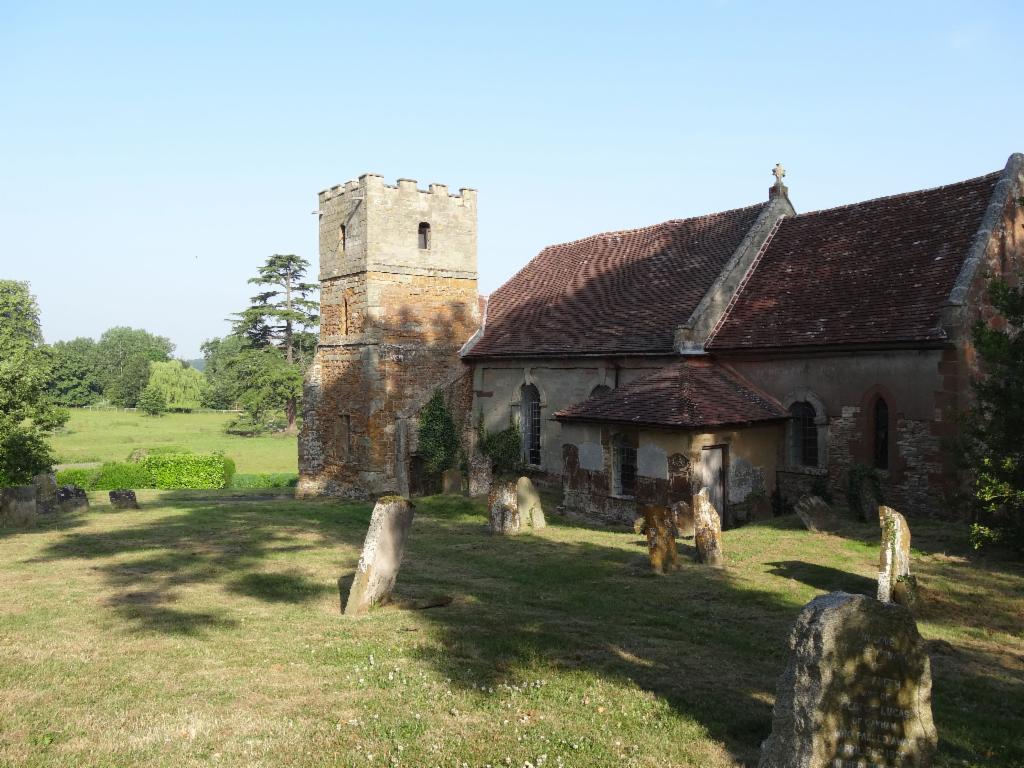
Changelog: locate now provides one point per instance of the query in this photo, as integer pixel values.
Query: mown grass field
(204, 629)
(108, 435)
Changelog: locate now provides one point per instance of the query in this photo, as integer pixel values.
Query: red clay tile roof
(876, 272)
(617, 292)
(690, 393)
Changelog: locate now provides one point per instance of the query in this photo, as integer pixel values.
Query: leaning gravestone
(682, 517)
(123, 499)
(46, 493)
(71, 498)
(856, 691)
(707, 526)
(814, 513)
(661, 540)
(531, 513)
(18, 506)
(894, 559)
(503, 508)
(382, 554)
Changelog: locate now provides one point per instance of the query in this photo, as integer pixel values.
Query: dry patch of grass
(204, 630)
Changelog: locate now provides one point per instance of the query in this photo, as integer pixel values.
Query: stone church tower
(398, 296)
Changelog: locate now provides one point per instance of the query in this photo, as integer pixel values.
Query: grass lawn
(96, 435)
(204, 630)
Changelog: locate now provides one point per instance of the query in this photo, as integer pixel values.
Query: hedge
(188, 470)
(266, 480)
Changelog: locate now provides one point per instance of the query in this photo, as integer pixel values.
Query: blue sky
(151, 155)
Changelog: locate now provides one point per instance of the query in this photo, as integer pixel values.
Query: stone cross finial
(778, 172)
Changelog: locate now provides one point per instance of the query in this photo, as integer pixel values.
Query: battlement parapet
(373, 182)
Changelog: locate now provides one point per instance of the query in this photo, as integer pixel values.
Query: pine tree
(283, 316)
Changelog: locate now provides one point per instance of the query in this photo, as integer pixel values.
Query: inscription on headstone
(856, 692)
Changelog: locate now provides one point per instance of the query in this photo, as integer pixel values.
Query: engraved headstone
(707, 530)
(18, 506)
(531, 513)
(46, 493)
(814, 513)
(479, 475)
(123, 499)
(682, 517)
(382, 554)
(503, 507)
(71, 498)
(894, 559)
(856, 691)
(451, 481)
(661, 540)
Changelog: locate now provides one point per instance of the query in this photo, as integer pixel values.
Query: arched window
(424, 235)
(530, 410)
(881, 434)
(341, 237)
(600, 390)
(804, 445)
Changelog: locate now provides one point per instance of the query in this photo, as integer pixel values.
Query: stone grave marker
(894, 580)
(71, 498)
(531, 513)
(856, 691)
(503, 508)
(123, 499)
(46, 493)
(661, 540)
(451, 481)
(382, 554)
(707, 530)
(815, 514)
(479, 475)
(18, 506)
(682, 517)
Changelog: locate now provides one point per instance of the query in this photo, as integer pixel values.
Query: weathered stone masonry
(395, 309)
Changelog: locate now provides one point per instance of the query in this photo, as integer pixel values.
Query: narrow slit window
(424, 235)
(881, 434)
(531, 424)
(341, 237)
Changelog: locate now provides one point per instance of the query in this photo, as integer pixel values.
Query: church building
(755, 352)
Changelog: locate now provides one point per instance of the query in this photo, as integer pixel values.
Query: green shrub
(152, 401)
(108, 477)
(504, 449)
(438, 439)
(266, 480)
(83, 478)
(188, 470)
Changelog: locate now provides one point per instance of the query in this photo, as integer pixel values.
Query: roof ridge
(610, 232)
(882, 198)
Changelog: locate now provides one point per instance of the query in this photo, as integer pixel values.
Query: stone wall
(394, 316)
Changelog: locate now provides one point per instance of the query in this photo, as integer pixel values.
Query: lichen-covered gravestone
(531, 513)
(894, 560)
(71, 498)
(856, 691)
(707, 530)
(382, 554)
(661, 540)
(814, 513)
(682, 517)
(480, 475)
(18, 506)
(123, 499)
(503, 507)
(46, 493)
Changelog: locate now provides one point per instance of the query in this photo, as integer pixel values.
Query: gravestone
(18, 506)
(382, 554)
(661, 540)
(479, 475)
(707, 533)
(451, 481)
(531, 513)
(503, 508)
(894, 580)
(123, 499)
(682, 517)
(856, 691)
(46, 493)
(815, 514)
(71, 498)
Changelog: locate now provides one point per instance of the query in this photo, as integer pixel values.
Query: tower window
(804, 434)
(881, 434)
(530, 401)
(341, 237)
(424, 235)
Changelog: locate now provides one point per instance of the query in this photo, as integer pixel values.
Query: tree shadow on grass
(823, 577)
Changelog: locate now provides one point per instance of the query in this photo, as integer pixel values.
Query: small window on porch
(624, 469)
